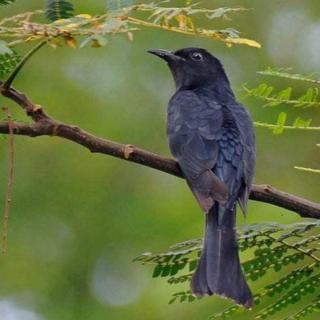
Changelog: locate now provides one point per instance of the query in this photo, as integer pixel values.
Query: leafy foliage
(8, 62)
(179, 19)
(8, 59)
(121, 17)
(307, 310)
(58, 9)
(291, 250)
(266, 93)
(272, 98)
(166, 15)
(4, 2)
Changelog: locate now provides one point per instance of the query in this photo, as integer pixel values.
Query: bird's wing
(246, 129)
(194, 128)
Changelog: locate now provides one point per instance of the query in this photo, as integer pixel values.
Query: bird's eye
(197, 56)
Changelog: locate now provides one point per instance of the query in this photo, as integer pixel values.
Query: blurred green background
(78, 219)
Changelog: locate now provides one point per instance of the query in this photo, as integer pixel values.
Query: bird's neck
(221, 90)
(217, 90)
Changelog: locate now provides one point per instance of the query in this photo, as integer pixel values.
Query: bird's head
(192, 67)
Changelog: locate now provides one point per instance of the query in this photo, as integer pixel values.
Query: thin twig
(24, 60)
(307, 169)
(8, 196)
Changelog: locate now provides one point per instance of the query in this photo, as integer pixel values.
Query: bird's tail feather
(219, 270)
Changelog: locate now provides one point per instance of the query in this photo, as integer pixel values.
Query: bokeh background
(78, 219)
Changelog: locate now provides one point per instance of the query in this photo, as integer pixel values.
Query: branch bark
(45, 125)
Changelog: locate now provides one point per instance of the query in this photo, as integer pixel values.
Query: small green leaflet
(8, 59)
(267, 93)
(7, 63)
(58, 9)
(302, 123)
(282, 118)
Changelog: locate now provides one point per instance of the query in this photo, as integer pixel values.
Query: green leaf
(192, 265)
(157, 271)
(301, 123)
(58, 9)
(166, 270)
(174, 298)
(7, 63)
(184, 296)
(8, 59)
(281, 121)
(285, 94)
(180, 279)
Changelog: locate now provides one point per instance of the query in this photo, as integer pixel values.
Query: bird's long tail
(219, 270)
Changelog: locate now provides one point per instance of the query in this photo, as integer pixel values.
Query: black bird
(211, 136)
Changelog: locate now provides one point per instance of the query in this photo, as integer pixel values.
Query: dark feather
(219, 270)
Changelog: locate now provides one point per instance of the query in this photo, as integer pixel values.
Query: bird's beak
(166, 55)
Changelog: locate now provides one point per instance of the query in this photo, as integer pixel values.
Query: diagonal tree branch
(45, 125)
